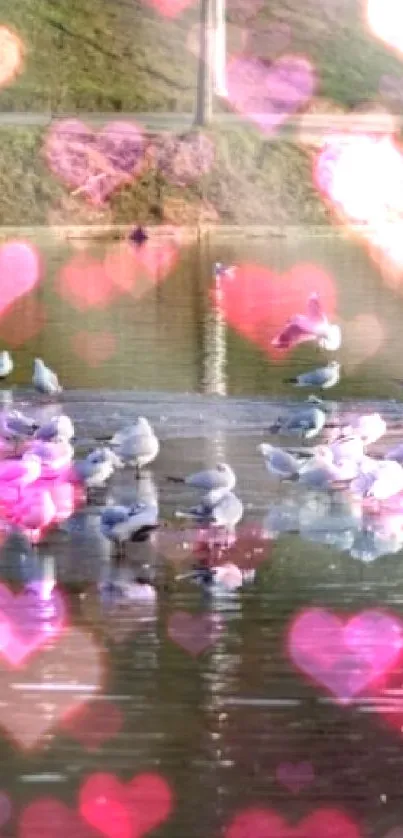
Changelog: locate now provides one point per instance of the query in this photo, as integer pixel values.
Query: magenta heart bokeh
(345, 657)
(23, 628)
(95, 164)
(268, 95)
(266, 823)
(194, 632)
(20, 271)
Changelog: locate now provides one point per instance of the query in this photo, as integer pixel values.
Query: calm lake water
(228, 727)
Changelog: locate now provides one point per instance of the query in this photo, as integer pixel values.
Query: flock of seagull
(31, 452)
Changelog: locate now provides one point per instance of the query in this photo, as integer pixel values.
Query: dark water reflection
(219, 725)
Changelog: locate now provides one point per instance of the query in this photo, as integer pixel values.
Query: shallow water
(223, 725)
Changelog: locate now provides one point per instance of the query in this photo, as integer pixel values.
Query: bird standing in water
(45, 380)
(6, 364)
(123, 524)
(136, 445)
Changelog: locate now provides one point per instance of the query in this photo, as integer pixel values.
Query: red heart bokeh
(94, 723)
(85, 284)
(257, 302)
(265, 823)
(25, 716)
(125, 263)
(94, 348)
(48, 818)
(125, 810)
(194, 632)
(23, 321)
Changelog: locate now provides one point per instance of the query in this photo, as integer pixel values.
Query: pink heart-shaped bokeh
(95, 164)
(125, 809)
(169, 8)
(345, 657)
(193, 632)
(94, 347)
(257, 302)
(266, 823)
(94, 723)
(75, 659)
(295, 776)
(23, 321)
(48, 818)
(20, 271)
(84, 282)
(268, 95)
(22, 627)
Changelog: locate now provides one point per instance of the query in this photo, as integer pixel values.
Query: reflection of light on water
(215, 344)
(220, 679)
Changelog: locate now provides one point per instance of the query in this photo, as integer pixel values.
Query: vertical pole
(204, 93)
(220, 49)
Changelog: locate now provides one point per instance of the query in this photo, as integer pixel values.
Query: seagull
(278, 461)
(395, 453)
(118, 589)
(16, 428)
(221, 270)
(58, 429)
(97, 468)
(219, 508)
(136, 445)
(323, 377)
(123, 524)
(369, 428)
(307, 422)
(220, 477)
(321, 472)
(6, 364)
(44, 379)
(381, 480)
(348, 447)
(313, 326)
(14, 425)
(218, 581)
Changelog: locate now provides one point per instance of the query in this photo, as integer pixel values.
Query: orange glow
(11, 55)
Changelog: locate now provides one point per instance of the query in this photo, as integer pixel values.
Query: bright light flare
(385, 19)
(362, 178)
(11, 55)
